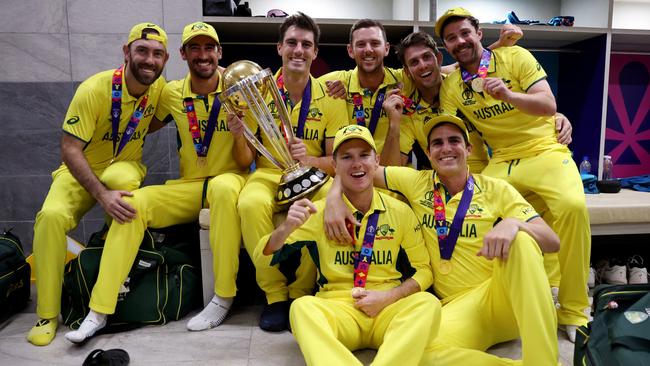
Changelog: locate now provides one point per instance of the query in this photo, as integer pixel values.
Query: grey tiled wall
(47, 47)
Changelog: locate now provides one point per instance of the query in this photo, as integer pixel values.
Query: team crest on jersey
(384, 232)
(72, 120)
(314, 114)
(428, 200)
(468, 97)
(474, 210)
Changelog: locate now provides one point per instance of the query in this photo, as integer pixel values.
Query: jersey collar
(354, 87)
(187, 89)
(376, 205)
(317, 90)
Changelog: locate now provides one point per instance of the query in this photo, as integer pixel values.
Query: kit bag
(164, 282)
(14, 276)
(620, 331)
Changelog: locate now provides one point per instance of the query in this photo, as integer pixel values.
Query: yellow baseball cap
(137, 33)
(445, 118)
(353, 132)
(453, 12)
(199, 29)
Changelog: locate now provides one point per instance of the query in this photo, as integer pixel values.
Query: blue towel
(638, 183)
(589, 183)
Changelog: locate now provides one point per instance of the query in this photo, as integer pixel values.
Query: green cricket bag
(619, 335)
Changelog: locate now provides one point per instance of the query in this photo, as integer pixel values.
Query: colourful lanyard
(478, 79)
(116, 112)
(357, 99)
(364, 256)
(447, 237)
(201, 146)
(304, 104)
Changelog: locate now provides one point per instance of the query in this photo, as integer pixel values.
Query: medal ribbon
(304, 104)
(364, 256)
(447, 237)
(201, 146)
(116, 112)
(482, 68)
(357, 99)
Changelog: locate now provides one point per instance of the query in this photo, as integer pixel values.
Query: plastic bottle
(585, 166)
(608, 168)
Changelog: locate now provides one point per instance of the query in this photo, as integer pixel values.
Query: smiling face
(297, 50)
(355, 163)
(202, 54)
(145, 60)
(421, 63)
(463, 41)
(448, 150)
(368, 49)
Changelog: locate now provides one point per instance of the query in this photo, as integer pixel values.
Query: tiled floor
(236, 342)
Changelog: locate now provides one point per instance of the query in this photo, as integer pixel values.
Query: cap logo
(352, 129)
(199, 26)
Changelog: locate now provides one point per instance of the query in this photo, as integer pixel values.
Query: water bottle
(608, 167)
(585, 166)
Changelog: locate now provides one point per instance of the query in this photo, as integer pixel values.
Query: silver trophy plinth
(249, 89)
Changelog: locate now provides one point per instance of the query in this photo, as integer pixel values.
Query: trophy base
(298, 183)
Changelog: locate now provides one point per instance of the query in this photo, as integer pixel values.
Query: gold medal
(444, 266)
(477, 84)
(201, 161)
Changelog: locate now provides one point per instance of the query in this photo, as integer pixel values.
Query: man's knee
(52, 216)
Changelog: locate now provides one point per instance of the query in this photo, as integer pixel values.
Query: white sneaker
(555, 292)
(93, 322)
(591, 280)
(615, 274)
(637, 272)
(570, 331)
(212, 315)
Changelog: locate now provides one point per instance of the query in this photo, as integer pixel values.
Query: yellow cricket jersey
(171, 107)
(510, 133)
(392, 77)
(397, 229)
(493, 199)
(326, 116)
(89, 118)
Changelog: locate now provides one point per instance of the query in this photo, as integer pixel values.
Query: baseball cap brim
(429, 125)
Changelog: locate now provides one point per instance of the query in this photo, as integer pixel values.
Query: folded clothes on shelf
(560, 20)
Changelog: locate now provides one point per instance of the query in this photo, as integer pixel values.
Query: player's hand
(115, 206)
(371, 302)
(393, 104)
(497, 89)
(509, 35)
(563, 128)
(298, 151)
(339, 221)
(235, 125)
(298, 214)
(496, 243)
(336, 89)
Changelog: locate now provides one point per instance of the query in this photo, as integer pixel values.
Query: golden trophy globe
(249, 90)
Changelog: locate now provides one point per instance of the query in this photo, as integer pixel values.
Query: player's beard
(144, 78)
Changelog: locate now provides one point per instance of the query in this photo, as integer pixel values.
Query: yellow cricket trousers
(553, 176)
(329, 329)
(175, 202)
(515, 302)
(256, 207)
(66, 203)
